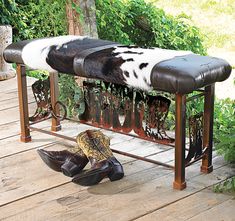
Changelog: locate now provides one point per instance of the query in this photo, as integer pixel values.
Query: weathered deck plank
(189, 207)
(11, 103)
(12, 115)
(10, 86)
(123, 200)
(31, 191)
(224, 211)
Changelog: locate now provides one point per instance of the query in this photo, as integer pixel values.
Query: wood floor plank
(101, 203)
(130, 184)
(13, 129)
(12, 115)
(71, 190)
(9, 130)
(15, 182)
(13, 103)
(12, 145)
(16, 185)
(224, 211)
(10, 85)
(131, 203)
(189, 207)
(6, 96)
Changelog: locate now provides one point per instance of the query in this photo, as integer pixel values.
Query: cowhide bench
(125, 72)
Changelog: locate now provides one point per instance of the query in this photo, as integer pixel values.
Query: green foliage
(67, 87)
(224, 125)
(8, 12)
(141, 23)
(34, 18)
(111, 18)
(224, 129)
(37, 74)
(226, 186)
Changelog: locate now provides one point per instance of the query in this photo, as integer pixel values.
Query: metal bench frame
(180, 126)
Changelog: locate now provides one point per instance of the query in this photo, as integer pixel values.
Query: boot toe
(63, 161)
(50, 159)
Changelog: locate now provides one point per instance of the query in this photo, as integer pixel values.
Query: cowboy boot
(68, 162)
(95, 146)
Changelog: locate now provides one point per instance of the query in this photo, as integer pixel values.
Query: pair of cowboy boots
(93, 146)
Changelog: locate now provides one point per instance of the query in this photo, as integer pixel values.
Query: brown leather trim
(78, 63)
(13, 52)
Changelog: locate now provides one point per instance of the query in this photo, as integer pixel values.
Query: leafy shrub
(141, 23)
(67, 87)
(227, 186)
(224, 125)
(34, 18)
(111, 18)
(224, 138)
(224, 129)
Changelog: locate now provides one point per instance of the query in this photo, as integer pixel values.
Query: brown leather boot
(96, 146)
(69, 162)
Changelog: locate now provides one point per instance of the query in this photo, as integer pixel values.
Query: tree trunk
(81, 21)
(89, 21)
(6, 70)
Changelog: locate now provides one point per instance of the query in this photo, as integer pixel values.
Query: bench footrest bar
(115, 151)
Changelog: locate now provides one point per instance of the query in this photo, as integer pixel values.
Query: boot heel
(69, 168)
(116, 173)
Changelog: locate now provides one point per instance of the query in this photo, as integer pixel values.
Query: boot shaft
(95, 145)
(77, 150)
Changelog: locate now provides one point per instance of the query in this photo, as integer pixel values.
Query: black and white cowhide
(139, 63)
(127, 65)
(35, 53)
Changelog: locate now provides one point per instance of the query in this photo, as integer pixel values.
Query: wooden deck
(31, 191)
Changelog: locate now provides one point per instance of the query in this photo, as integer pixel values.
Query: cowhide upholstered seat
(147, 69)
(178, 72)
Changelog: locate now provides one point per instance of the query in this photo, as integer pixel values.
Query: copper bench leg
(180, 124)
(54, 88)
(208, 129)
(23, 103)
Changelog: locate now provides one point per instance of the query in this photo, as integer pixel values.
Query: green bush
(111, 17)
(224, 129)
(224, 125)
(224, 138)
(141, 23)
(226, 186)
(34, 18)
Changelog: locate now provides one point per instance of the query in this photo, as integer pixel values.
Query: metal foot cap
(179, 186)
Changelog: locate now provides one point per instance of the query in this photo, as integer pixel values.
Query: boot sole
(91, 179)
(96, 176)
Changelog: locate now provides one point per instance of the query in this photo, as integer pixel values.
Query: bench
(128, 75)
